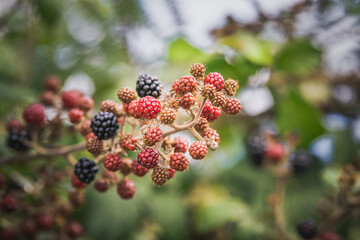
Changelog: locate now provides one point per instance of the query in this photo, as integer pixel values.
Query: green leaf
(294, 114)
(298, 56)
(256, 51)
(181, 51)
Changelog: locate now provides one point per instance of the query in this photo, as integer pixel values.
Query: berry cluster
(111, 134)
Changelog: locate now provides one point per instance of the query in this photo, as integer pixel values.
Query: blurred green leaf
(294, 114)
(298, 56)
(181, 51)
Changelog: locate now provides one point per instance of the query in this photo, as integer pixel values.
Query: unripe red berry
(44, 221)
(148, 158)
(210, 112)
(28, 228)
(86, 103)
(127, 142)
(85, 128)
(168, 116)
(14, 124)
(101, 185)
(8, 234)
(148, 107)
(108, 106)
(211, 134)
(126, 189)
(133, 109)
(75, 115)
(75, 229)
(76, 183)
(8, 203)
(71, 99)
(215, 79)
(153, 136)
(330, 236)
(52, 83)
(198, 150)
(198, 70)
(232, 106)
(187, 101)
(48, 98)
(160, 175)
(275, 151)
(202, 125)
(35, 115)
(184, 85)
(126, 95)
(231, 86)
(113, 162)
(171, 173)
(93, 144)
(77, 198)
(138, 169)
(180, 144)
(109, 176)
(178, 162)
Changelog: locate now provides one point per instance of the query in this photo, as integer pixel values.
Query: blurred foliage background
(298, 66)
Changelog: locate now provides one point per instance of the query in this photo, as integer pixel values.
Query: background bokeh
(298, 66)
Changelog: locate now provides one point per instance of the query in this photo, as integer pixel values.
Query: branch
(49, 152)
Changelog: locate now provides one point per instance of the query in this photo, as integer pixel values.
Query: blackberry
(300, 160)
(18, 140)
(256, 149)
(104, 125)
(85, 170)
(148, 85)
(307, 229)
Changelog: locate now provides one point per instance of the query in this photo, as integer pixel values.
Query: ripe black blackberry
(300, 160)
(148, 85)
(85, 170)
(104, 125)
(256, 149)
(18, 140)
(307, 229)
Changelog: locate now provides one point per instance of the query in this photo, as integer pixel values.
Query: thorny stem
(196, 134)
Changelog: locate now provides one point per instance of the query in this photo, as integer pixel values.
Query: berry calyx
(35, 115)
(148, 85)
(232, 106)
(70, 99)
(138, 169)
(307, 229)
(160, 176)
(113, 162)
(75, 115)
(148, 158)
(174, 104)
(187, 101)
(126, 95)
(180, 144)
(210, 112)
(104, 125)
(85, 170)
(198, 150)
(184, 85)
(168, 116)
(215, 79)
(126, 189)
(148, 107)
(178, 162)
